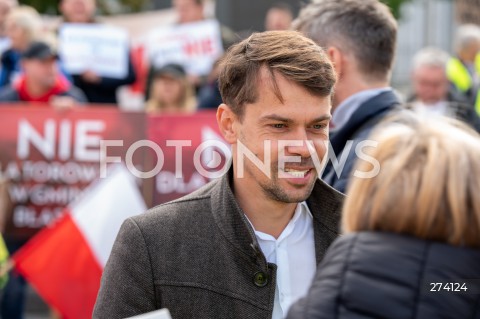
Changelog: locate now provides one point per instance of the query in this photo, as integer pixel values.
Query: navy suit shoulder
(361, 124)
(365, 118)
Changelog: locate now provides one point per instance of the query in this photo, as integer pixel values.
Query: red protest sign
(193, 153)
(50, 156)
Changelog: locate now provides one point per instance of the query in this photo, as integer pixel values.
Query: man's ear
(337, 58)
(226, 120)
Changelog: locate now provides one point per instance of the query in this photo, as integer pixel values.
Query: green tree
(42, 6)
(395, 6)
(104, 6)
(133, 5)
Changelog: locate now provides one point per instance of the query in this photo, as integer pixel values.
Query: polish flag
(64, 262)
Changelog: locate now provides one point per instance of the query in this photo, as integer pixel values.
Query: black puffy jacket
(383, 275)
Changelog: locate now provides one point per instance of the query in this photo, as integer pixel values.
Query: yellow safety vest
(3, 260)
(458, 74)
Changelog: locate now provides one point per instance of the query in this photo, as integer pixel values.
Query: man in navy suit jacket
(360, 38)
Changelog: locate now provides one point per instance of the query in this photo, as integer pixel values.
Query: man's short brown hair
(366, 28)
(286, 53)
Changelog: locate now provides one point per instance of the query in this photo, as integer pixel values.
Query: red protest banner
(50, 156)
(193, 150)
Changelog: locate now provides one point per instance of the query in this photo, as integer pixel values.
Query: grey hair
(432, 57)
(364, 28)
(466, 35)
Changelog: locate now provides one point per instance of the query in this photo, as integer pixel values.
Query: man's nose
(298, 144)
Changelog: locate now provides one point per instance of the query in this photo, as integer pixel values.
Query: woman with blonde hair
(5, 7)
(411, 247)
(171, 92)
(23, 25)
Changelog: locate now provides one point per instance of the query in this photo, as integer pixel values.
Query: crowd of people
(440, 83)
(31, 70)
(22, 29)
(270, 247)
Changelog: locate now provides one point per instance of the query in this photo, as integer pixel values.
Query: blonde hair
(29, 20)
(186, 101)
(428, 185)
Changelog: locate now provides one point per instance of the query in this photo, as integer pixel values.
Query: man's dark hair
(285, 53)
(366, 28)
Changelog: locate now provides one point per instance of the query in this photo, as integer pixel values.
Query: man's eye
(319, 126)
(279, 125)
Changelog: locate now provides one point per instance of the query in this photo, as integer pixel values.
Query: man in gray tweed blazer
(245, 245)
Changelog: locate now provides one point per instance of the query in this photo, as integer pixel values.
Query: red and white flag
(64, 262)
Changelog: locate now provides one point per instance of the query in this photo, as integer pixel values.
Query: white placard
(96, 47)
(196, 46)
(5, 44)
(159, 314)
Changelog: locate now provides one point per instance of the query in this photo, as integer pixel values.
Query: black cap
(171, 69)
(39, 50)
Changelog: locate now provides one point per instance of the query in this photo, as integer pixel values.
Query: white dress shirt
(294, 254)
(345, 110)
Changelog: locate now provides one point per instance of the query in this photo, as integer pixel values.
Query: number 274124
(448, 286)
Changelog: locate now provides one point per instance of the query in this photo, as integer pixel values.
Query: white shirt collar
(301, 211)
(345, 110)
(294, 254)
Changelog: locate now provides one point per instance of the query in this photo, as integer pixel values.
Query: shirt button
(260, 279)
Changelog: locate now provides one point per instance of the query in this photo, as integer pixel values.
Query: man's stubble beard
(271, 188)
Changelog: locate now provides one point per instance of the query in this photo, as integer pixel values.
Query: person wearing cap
(171, 92)
(41, 80)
